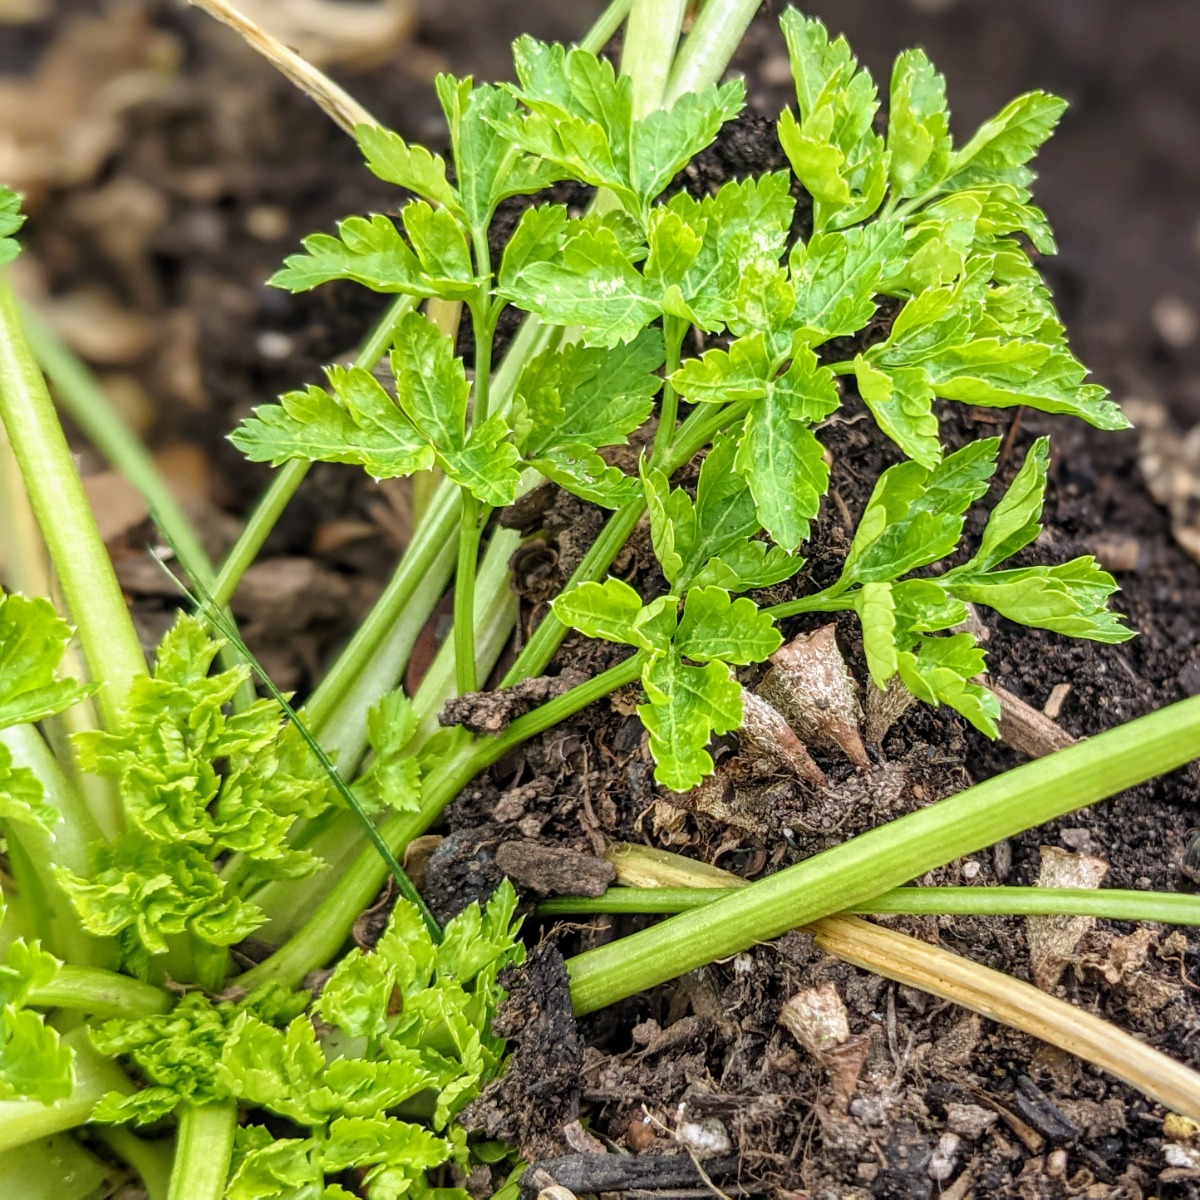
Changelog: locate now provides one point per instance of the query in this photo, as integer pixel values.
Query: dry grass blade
(1012, 1002)
(337, 103)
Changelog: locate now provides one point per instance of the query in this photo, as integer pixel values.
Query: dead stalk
(337, 103)
(931, 969)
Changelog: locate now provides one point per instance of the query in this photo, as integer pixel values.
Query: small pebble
(1176, 321)
(705, 1139)
(273, 344)
(945, 1157)
(267, 223)
(1056, 1163)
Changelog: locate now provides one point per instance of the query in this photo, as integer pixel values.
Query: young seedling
(183, 914)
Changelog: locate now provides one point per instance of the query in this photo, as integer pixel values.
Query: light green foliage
(22, 796)
(356, 421)
(914, 519)
(713, 540)
(33, 639)
(33, 1061)
(579, 117)
(404, 1019)
(197, 782)
(572, 401)
(393, 780)
(11, 220)
(686, 703)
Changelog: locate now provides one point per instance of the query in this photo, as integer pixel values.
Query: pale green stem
(473, 517)
(150, 1158)
(651, 38)
(607, 23)
(56, 1168)
(203, 1150)
(89, 584)
(1169, 908)
(99, 992)
(709, 46)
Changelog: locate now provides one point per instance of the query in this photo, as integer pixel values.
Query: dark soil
(943, 1103)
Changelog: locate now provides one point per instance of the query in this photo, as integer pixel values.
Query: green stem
(89, 406)
(607, 23)
(674, 331)
(204, 1148)
(850, 874)
(150, 1158)
(344, 731)
(825, 601)
(101, 993)
(24, 1121)
(56, 1168)
(289, 477)
(1169, 908)
(93, 596)
(473, 517)
(707, 49)
(648, 51)
(329, 923)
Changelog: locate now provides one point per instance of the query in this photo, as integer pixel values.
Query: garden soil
(160, 234)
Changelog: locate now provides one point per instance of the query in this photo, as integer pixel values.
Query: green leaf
(393, 780)
(578, 398)
(1016, 519)
(33, 639)
(686, 706)
(876, 608)
(667, 139)
(354, 421)
(1002, 146)
(432, 389)
(601, 610)
(902, 404)
(712, 542)
(915, 514)
(779, 456)
(1070, 598)
(940, 671)
(392, 159)
(714, 626)
(743, 372)
(487, 168)
(835, 277)
(368, 250)
(593, 284)
(22, 797)
(442, 249)
(833, 148)
(918, 136)
(11, 220)
(34, 1064)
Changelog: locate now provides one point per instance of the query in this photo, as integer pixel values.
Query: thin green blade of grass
(204, 603)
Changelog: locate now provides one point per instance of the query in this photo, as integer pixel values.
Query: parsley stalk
(89, 583)
(203, 1149)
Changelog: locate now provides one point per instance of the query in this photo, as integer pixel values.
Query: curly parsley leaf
(34, 1063)
(918, 136)
(715, 626)
(393, 780)
(22, 796)
(614, 611)
(33, 639)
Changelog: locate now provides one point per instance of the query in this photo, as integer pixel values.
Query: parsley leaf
(33, 639)
(574, 400)
(918, 136)
(391, 158)
(11, 220)
(712, 541)
(34, 1063)
(686, 706)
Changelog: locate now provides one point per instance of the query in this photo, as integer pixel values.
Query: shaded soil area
(213, 171)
